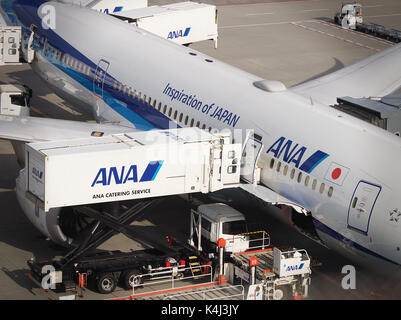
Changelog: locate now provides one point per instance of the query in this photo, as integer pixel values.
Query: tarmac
(291, 41)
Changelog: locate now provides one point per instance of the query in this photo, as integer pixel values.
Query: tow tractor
(350, 17)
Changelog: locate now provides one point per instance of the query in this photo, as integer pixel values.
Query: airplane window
(278, 166)
(160, 106)
(186, 120)
(198, 124)
(181, 115)
(192, 122)
(169, 112)
(144, 98)
(285, 170)
(203, 127)
(165, 109)
(124, 88)
(150, 101)
(175, 114)
(330, 192)
(321, 188)
(307, 181)
(299, 177)
(292, 173)
(314, 183)
(210, 129)
(154, 104)
(272, 163)
(354, 202)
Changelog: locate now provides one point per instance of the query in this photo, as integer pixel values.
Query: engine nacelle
(49, 223)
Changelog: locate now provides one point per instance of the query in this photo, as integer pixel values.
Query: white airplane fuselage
(345, 171)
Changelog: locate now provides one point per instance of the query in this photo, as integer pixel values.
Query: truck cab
(217, 221)
(14, 100)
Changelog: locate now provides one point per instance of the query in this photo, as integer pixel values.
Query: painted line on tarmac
(353, 31)
(262, 24)
(335, 37)
(258, 14)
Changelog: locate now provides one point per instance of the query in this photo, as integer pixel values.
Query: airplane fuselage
(341, 169)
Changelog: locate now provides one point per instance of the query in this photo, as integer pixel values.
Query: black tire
(129, 277)
(106, 283)
(283, 293)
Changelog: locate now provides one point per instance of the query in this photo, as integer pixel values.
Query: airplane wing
(375, 76)
(30, 129)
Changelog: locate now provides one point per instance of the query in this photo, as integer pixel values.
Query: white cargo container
(114, 6)
(130, 166)
(183, 22)
(291, 263)
(10, 43)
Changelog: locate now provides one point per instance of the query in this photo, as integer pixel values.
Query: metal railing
(171, 278)
(219, 294)
(254, 244)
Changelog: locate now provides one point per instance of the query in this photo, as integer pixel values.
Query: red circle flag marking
(336, 173)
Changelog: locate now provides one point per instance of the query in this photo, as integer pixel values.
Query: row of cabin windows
(170, 112)
(298, 176)
(77, 65)
(83, 68)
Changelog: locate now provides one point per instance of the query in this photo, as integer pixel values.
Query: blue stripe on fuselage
(334, 234)
(143, 116)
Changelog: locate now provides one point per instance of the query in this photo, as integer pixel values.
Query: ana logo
(291, 152)
(107, 176)
(37, 173)
(116, 9)
(178, 33)
(296, 267)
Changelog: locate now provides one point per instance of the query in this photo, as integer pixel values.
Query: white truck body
(13, 100)
(130, 166)
(183, 22)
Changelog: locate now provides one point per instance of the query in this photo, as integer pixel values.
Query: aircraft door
(100, 74)
(361, 206)
(250, 155)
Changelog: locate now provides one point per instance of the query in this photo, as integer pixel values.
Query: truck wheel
(282, 293)
(106, 283)
(130, 278)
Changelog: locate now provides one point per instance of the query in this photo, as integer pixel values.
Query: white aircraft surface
(342, 172)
